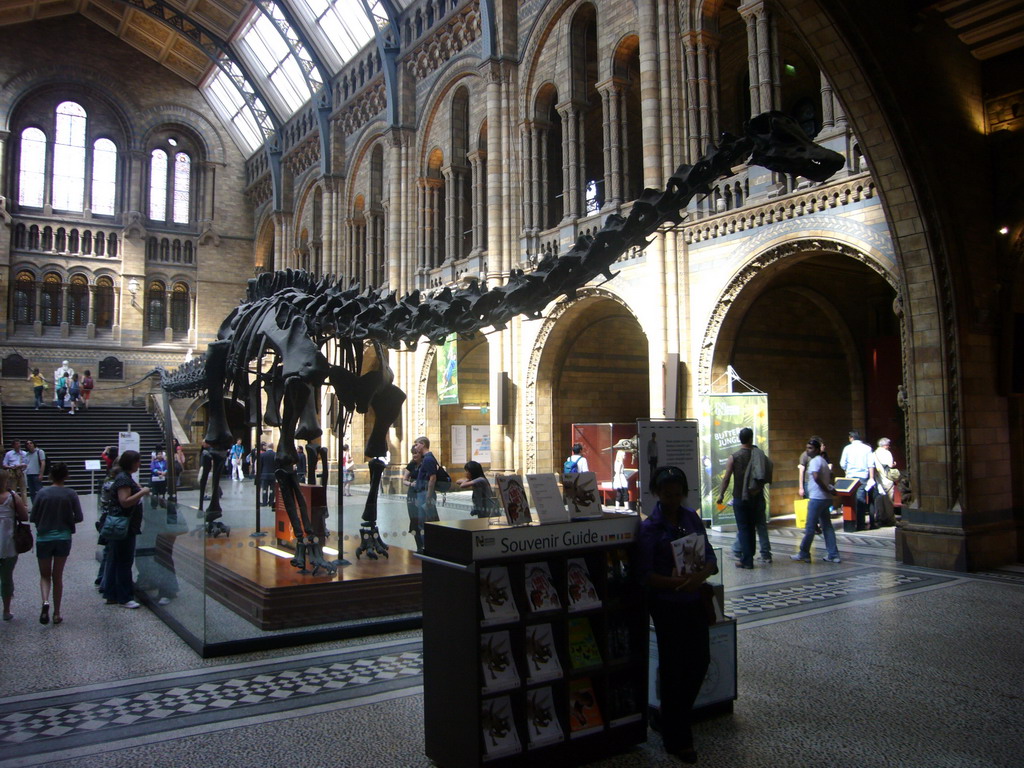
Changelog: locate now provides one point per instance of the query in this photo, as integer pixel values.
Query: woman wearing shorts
(54, 512)
(87, 384)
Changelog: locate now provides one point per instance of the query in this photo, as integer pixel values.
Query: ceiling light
(1004, 230)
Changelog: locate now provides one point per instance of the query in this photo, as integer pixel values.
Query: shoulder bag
(115, 527)
(22, 537)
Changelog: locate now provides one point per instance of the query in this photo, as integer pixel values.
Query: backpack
(444, 480)
(571, 467)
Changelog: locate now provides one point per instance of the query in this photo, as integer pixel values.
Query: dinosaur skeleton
(300, 319)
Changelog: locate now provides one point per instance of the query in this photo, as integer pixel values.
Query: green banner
(448, 372)
(722, 418)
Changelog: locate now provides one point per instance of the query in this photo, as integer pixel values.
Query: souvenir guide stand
(534, 642)
(846, 490)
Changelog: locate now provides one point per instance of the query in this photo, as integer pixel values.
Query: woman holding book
(677, 603)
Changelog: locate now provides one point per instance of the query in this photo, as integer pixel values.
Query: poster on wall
(722, 418)
(480, 443)
(669, 442)
(448, 371)
(460, 454)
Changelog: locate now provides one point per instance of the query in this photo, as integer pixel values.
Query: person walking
(857, 460)
(347, 471)
(12, 513)
(74, 394)
(87, 386)
(749, 467)
(127, 499)
(38, 386)
(886, 476)
(819, 498)
(35, 467)
(426, 484)
(58, 375)
(15, 461)
(677, 606)
(410, 475)
(483, 495)
(158, 479)
(268, 465)
(235, 456)
(576, 462)
(55, 512)
(62, 391)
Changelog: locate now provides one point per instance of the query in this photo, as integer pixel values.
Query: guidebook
(513, 499)
(499, 728)
(688, 552)
(542, 724)
(584, 714)
(541, 594)
(496, 599)
(500, 673)
(582, 594)
(541, 655)
(583, 650)
(579, 491)
(547, 499)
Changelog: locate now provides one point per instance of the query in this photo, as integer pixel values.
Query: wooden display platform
(270, 593)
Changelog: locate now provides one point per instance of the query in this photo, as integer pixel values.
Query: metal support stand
(255, 451)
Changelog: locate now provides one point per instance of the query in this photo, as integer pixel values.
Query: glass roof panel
(341, 26)
(267, 53)
(230, 106)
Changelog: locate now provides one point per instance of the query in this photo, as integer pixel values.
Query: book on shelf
(499, 667)
(580, 587)
(541, 654)
(622, 703)
(501, 737)
(618, 639)
(583, 650)
(617, 569)
(579, 492)
(499, 607)
(547, 499)
(541, 594)
(584, 713)
(542, 726)
(513, 499)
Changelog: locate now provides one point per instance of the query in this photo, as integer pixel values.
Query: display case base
(270, 593)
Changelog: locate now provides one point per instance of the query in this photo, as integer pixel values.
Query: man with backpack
(426, 482)
(750, 470)
(577, 462)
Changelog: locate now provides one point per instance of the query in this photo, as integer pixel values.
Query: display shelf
(534, 640)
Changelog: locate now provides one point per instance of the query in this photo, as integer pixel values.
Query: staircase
(75, 439)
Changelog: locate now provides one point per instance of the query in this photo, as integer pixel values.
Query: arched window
(179, 308)
(78, 301)
(49, 309)
(104, 177)
(104, 302)
(69, 158)
(156, 310)
(182, 177)
(32, 173)
(158, 185)
(24, 297)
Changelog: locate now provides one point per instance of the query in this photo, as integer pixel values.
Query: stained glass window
(182, 175)
(158, 185)
(104, 176)
(32, 173)
(69, 158)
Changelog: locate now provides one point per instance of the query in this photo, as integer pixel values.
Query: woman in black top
(409, 476)
(483, 496)
(117, 578)
(55, 512)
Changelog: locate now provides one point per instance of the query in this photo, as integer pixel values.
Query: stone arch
(438, 102)
(761, 272)
(535, 368)
(179, 117)
(544, 26)
(360, 157)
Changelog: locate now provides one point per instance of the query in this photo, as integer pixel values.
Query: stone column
(65, 325)
(90, 328)
(571, 171)
(448, 246)
(749, 15)
(613, 93)
(650, 92)
(526, 136)
(492, 73)
(828, 115)
(477, 166)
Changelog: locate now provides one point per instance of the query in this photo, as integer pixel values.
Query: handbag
(22, 537)
(115, 527)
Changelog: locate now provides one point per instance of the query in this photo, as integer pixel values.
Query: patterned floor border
(60, 725)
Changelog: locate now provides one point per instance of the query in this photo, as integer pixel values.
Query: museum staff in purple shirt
(677, 606)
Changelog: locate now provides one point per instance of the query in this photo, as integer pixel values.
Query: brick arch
(543, 28)
(464, 74)
(363, 152)
(540, 365)
(199, 129)
(23, 85)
